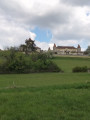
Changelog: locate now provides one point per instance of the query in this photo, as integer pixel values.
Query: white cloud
(68, 21)
(32, 36)
(42, 45)
(11, 34)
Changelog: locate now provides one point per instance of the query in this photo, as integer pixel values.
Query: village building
(38, 49)
(67, 50)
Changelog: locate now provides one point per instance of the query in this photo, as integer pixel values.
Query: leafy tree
(87, 51)
(23, 48)
(30, 45)
(11, 53)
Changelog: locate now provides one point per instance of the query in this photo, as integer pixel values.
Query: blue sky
(88, 13)
(42, 35)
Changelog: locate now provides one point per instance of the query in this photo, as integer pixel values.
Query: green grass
(50, 103)
(43, 79)
(47, 96)
(67, 63)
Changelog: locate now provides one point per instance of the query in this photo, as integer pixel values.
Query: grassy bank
(67, 63)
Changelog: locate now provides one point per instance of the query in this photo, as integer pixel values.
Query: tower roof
(54, 45)
(66, 47)
(78, 46)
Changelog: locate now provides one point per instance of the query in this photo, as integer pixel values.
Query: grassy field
(67, 63)
(47, 96)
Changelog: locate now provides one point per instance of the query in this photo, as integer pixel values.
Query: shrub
(47, 66)
(13, 64)
(51, 66)
(16, 62)
(80, 69)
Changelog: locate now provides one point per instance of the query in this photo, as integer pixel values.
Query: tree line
(15, 61)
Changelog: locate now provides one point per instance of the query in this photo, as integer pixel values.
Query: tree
(87, 51)
(30, 45)
(23, 48)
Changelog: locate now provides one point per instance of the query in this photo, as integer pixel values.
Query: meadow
(67, 63)
(47, 96)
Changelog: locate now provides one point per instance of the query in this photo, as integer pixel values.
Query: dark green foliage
(28, 47)
(80, 69)
(16, 62)
(47, 65)
(42, 62)
(87, 52)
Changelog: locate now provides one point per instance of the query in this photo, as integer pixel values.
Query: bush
(13, 64)
(80, 69)
(47, 66)
(16, 62)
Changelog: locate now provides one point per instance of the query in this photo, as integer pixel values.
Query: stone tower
(78, 49)
(54, 47)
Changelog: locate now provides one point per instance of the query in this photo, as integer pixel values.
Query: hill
(66, 63)
(47, 96)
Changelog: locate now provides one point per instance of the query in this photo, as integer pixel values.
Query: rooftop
(64, 47)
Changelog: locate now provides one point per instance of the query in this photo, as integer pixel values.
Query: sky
(64, 22)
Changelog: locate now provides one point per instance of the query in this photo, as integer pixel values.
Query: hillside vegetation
(13, 61)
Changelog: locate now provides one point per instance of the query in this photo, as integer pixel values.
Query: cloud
(32, 35)
(42, 45)
(11, 34)
(68, 21)
(78, 2)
